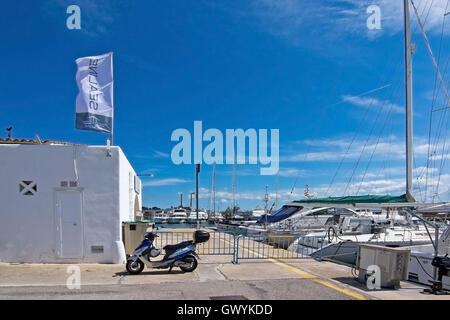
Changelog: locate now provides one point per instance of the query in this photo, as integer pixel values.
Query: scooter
(180, 255)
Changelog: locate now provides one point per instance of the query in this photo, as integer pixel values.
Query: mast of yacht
(233, 187)
(266, 200)
(213, 188)
(409, 50)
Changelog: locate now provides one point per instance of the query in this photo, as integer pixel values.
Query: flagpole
(112, 100)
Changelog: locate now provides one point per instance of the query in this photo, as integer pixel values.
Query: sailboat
(343, 249)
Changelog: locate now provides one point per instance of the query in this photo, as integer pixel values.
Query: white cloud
(431, 14)
(294, 20)
(291, 172)
(389, 148)
(370, 102)
(159, 154)
(164, 182)
(223, 196)
(394, 186)
(97, 17)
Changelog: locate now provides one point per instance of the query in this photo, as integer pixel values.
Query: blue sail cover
(281, 214)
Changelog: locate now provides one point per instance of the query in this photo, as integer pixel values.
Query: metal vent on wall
(67, 184)
(27, 188)
(96, 249)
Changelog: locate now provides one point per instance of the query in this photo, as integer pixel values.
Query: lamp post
(197, 171)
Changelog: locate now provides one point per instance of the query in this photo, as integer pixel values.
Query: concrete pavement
(215, 276)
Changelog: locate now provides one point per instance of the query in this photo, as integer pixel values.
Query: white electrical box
(391, 263)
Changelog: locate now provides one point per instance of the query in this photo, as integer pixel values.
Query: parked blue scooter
(180, 255)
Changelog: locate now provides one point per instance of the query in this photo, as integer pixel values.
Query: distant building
(64, 203)
(149, 213)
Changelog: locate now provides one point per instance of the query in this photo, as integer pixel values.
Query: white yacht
(297, 220)
(257, 213)
(192, 217)
(420, 268)
(160, 217)
(344, 248)
(178, 215)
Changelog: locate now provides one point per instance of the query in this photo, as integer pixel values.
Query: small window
(64, 184)
(132, 227)
(73, 184)
(27, 188)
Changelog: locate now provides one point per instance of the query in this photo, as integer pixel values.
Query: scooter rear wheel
(135, 267)
(192, 263)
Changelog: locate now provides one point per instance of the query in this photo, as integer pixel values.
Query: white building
(64, 203)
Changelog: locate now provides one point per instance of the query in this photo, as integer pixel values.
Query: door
(69, 224)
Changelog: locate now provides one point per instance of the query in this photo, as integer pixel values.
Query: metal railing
(245, 247)
(273, 247)
(219, 243)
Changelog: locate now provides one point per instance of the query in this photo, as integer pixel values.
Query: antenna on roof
(108, 148)
(38, 140)
(8, 130)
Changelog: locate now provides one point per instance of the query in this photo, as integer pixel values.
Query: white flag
(94, 104)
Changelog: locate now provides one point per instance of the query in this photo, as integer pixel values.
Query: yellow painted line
(317, 280)
(293, 269)
(307, 275)
(348, 292)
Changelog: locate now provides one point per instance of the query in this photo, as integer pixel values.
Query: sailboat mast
(233, 187)
(214, 188)
(409, 102)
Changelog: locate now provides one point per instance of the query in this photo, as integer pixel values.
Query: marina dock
(216, 277)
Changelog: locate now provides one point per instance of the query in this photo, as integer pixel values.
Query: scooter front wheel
(135, 267)
(190, 263)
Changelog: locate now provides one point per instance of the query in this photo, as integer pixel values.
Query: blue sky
(307, 68)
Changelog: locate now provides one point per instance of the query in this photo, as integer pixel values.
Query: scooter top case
(200, 236)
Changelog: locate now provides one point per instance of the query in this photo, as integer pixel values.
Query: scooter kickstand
(170, 269)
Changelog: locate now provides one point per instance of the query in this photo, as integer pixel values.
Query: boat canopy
(281, 214)
(356, 199)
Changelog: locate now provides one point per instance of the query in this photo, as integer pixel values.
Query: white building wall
(127, 190)
(30, 228)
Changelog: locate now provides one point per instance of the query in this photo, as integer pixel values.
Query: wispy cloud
(159, 154)
(152, 155)
(224, 196)
(291, 172)
(394, 186)
(97, 17)
(389, 148)
(373, 103)
(294, 20)
(164, 182)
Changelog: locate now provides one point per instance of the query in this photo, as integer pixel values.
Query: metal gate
(273, 247)
(244, 247)
(219, 243)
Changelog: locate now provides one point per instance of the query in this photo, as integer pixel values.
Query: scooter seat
(178, 246)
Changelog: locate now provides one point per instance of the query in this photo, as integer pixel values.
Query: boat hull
(346, 252)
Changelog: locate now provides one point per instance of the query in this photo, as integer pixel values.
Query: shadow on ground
(158, 272)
